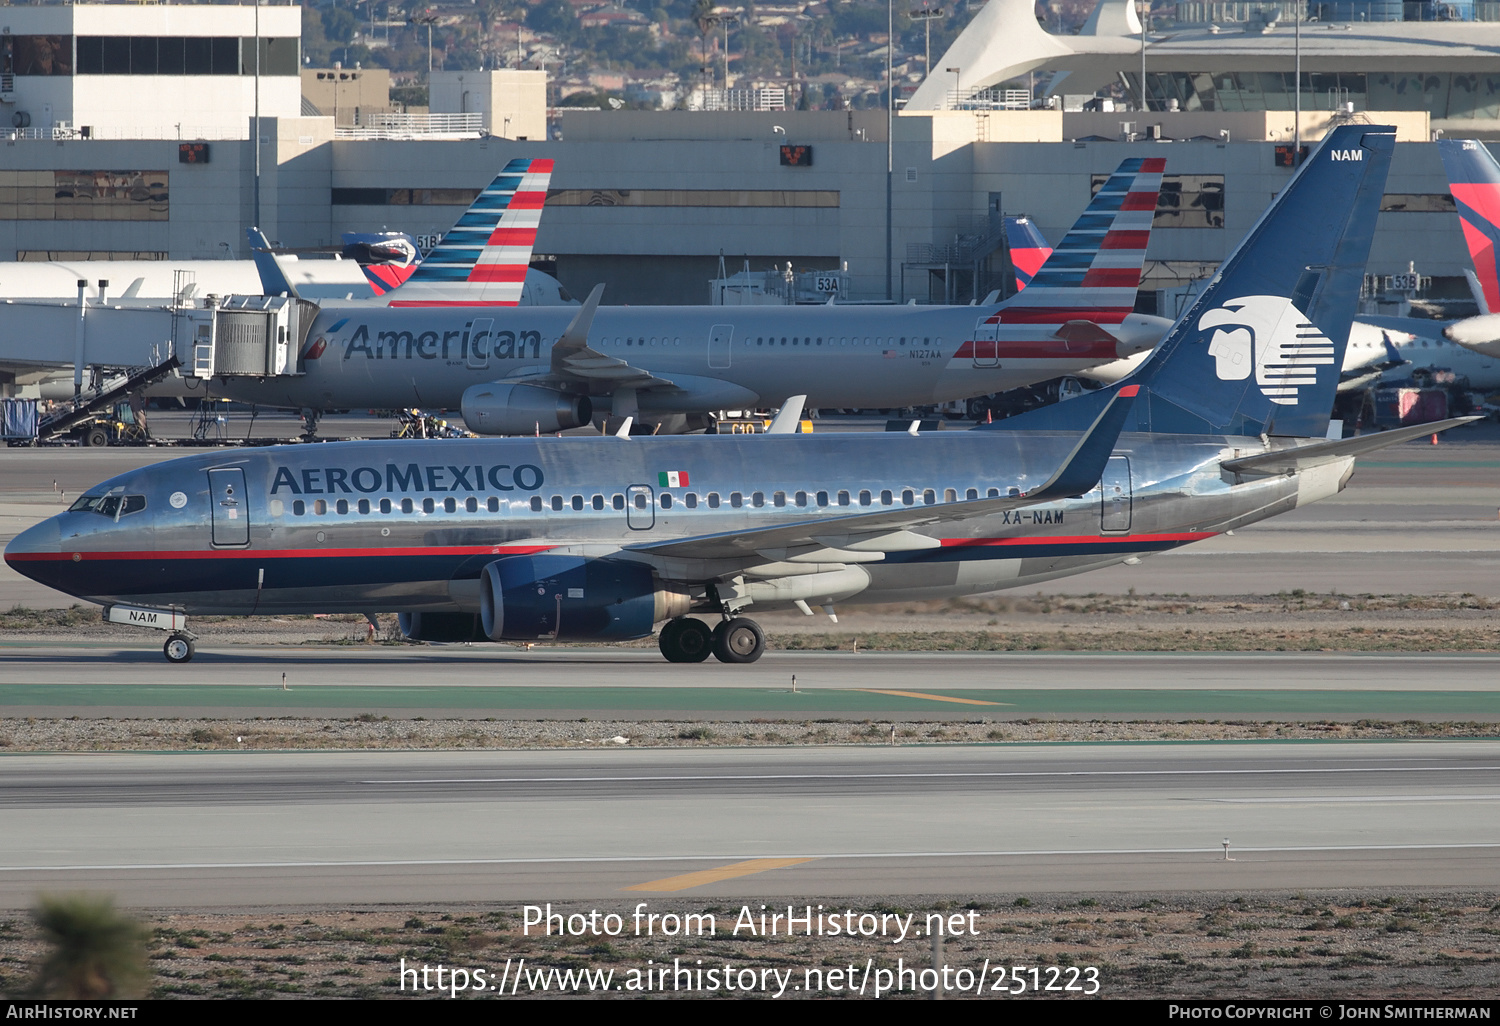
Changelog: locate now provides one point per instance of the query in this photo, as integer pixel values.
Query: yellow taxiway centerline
(707, 876)
(921, 694)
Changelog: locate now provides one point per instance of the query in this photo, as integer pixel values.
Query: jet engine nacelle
(506, 409)
(441, 627)
(522, 598)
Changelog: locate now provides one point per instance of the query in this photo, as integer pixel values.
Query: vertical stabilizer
(1474, 180)
(1095, 270)
(482, 260)
(1028, 249)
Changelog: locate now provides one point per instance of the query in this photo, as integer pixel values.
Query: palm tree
(97, 952)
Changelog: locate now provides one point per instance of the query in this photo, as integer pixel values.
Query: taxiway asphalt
(259, 829)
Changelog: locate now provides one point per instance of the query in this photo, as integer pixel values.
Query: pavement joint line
(605, 859)
(687, 881)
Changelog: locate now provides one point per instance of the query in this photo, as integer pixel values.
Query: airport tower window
(597, 502)
(493, 505)
(406, 506)
(618, 502)
(907, 497)
(450, 505)
(557, 503)
(428, 505)
(972, 493)
(536, 503)
(864, 496)
(298, 508)
(666, 500)
(929, 497)
(950, 495)
(713, 500)
(800, 498)
(736, 499)
(886, 498)
(342, 506)
(364, 505)
(843, 498)
(320, 507)
(640, 500)
(578, 502)
(691, 499)
(778, 499)
(471, 505)
(385, 505)
(757, 499)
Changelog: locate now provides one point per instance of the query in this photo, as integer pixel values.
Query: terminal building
(113, 152)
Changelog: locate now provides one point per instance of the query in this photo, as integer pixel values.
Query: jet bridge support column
(78, 341)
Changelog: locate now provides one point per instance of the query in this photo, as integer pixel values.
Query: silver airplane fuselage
(703, 358)
(370, 526)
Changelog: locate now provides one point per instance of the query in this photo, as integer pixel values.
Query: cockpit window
(109, 505)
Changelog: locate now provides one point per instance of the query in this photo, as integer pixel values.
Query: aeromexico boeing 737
(531, 370)
(600, 538)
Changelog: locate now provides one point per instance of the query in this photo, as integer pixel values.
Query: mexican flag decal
(673, 479)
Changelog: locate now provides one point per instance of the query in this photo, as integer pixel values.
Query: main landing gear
(690, 640)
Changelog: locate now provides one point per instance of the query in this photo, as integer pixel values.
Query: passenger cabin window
(757, 499)
(640, 500)
(885, 497)
(471, 505)
(494, 504)
(364, 505)
(427, 505)
(666, 500)
(907, 497)
(736, 499)
(342, 506)
(557, 503)
(822, 498)
(450, 505)
(385, 505)
(691, 499)
(950, 495)
(929, 497)
(778, 499)
(320, 507)
(713, 500)
(618, 501)
(843, 498)
(298, 507)
(536, 503)
(972, 493)
(406, 506)
(598, 502)
(993, 493)
(578, 502)
(864, 497)
(801, 498)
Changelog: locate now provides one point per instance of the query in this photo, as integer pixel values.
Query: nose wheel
(739, 640)
(178, 649)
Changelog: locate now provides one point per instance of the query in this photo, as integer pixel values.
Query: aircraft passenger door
(1114, 508)
(229, 508)
(719, 338)
(640, 507)
(986, 347)
(481, 339)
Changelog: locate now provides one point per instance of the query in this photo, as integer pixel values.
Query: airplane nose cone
(31, 551)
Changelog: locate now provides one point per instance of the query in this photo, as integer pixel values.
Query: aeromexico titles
(509, 372)
(588, 538)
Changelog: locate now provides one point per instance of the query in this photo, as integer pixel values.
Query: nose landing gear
(179, 648)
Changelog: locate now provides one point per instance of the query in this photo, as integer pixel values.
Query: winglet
(624, 431)
(1085, 465)
(273, 281)
(789, 417)
(576, 336)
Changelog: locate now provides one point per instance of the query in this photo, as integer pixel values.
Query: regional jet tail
(1028, 249)
(1474, 180)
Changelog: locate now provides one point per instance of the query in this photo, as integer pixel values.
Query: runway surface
(1417, 519)
(271, 829)
(457, 681)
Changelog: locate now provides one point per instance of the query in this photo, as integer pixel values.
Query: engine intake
(505, 409)
(522, 598)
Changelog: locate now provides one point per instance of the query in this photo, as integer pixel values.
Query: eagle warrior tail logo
(1269, 337)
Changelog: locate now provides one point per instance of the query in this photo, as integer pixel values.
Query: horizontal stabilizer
(1301, 457)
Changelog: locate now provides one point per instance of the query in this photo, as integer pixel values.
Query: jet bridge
(250, 336)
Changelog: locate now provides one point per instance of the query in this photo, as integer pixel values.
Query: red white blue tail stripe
(1094, 272)
(482, 261)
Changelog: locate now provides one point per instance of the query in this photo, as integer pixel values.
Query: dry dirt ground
(1323, 946)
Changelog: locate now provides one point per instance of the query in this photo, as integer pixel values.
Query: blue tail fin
(1261, 349)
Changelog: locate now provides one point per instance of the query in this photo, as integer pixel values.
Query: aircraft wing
(1301, 457)
(575, 363)
(863, 537)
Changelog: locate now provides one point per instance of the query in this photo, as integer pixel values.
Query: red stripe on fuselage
(1060, 315)
(1078, 539)
(454, 302)
(1036, 349)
